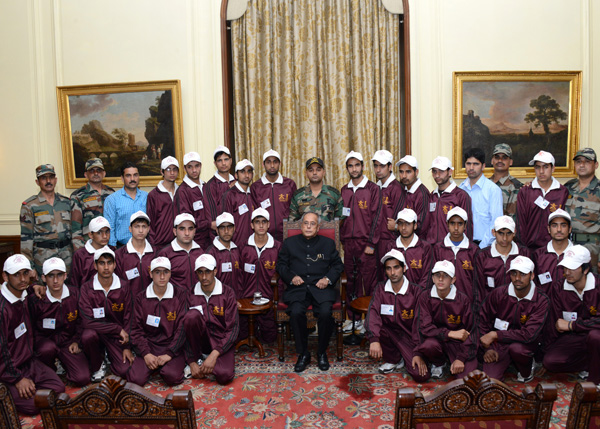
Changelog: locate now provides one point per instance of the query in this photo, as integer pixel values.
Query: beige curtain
(316, 78)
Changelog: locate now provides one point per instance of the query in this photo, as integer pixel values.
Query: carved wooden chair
(474, 401)
(584, 411)
(9, 418)
(115, 402)
(330, 229)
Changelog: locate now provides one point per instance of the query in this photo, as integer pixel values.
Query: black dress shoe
(322, 362)
(302, 362)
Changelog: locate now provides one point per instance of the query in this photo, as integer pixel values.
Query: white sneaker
(583, 375)
(522, 379)
(347, 327)
(187, 372)
(437, 371)
(60, 370)
(387, 367)
(99, 375)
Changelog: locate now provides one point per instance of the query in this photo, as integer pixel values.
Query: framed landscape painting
(138, 122)
(530, 111)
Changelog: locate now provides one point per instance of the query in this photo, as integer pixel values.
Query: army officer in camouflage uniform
(316, 197)
(583, 204)
(46, 222)
(501, 161)
(87, 202)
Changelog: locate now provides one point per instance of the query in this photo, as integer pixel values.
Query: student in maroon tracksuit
(418, 253)
(157, 329)
(361, 229)
(189, 198)
(227, 254)
(218, 185)
(547, 258)
(106, 308)
(58, 328)
(575, 323)
(82, 267)
(392, 201)
(259, 259)
(491, 263)
(389, 322)
(512, 320)
(443, 199)
(211, 325)
(443, 325)
(182, 252)
(417, 194)
(238, 201)
(133, 260)
(535, 202)
(160, 205)
(273, 192)
(457, 248)
(22, 373)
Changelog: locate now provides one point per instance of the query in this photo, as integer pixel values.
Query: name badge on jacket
(98, 313)
(49, 323)
(20, 330)
(387, 309)
(153, 320)
(570, 316)
(545, 278)
(500, 324)
(346, 211)
(198, 205)
(226, 267)
(250, 268)
(266, 204)
(242, 209)
(432, 207)
(132, 273)
(541, 202)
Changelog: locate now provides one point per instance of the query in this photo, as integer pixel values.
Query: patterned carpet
(267, 393)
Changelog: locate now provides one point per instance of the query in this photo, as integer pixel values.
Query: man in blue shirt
(119, 206)
(486, 197)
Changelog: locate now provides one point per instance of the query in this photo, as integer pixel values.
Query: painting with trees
(530, 111)
(137, 122)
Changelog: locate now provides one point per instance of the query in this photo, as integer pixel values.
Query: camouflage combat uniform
(510, 189)
(86, 204)
(584, 208)
(46, 230)
(328, 204)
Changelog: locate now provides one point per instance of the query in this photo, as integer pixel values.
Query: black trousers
(325, 324)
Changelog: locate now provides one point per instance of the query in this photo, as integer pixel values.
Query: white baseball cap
(16, 263)
(543, 156)
(191, 156)
(410, 160)
(441, 163)
(169, 160)
(457, 211)
(54, 264)
(383, 157)
(160, 262)
(205, 261)
(98, 223)
(225, 218)
(394, 254)
(222, 149)
(103, 251)
(269, 153)
(444, 267)
(522, 264)
(260, 212)
(353, 154)
(559, 213)
(575, 257)
(504, 222)
(138, 215)
(182, 217)
(407, 215)
(243, 164)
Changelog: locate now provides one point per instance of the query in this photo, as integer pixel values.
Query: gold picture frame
(529, 110)
(119, 122)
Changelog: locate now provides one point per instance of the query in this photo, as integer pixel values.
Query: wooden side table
(361, 306)
(251, 310)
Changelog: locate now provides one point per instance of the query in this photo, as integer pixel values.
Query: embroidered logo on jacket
(447, 209)
(524, 318)
(454, 320)
(218, 311)
(414, 264)
(406, 315)
(116, 307)
(386, 200)
(362, 204)
(467, 265)
(269, 265)
(236, 265)
(171, 315)
(72, 315)
(593, 310)
(284, 198)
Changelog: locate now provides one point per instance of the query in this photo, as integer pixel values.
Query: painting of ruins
(530, 111)
(135, 122)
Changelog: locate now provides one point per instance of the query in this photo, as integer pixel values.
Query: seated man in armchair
(310, 266)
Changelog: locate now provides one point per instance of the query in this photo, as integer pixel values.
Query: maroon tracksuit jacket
(258, 267)
(240, 205)
(276, 199)
(182, 264)
(82, 267)
(189, 198)
(393, 199)
(491, 270)
(229, 267)
(547, 269)
(214, 190)
(419, 260)
(440, 205)
(67, 326)
(160, 208)
(363, 222)
(532, 219)
(131, 267)
(464, 264)
(417, 199)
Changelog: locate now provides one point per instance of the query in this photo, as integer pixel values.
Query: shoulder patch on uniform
(299, 191)
(30, 199)
(518, 184)
(332, 189)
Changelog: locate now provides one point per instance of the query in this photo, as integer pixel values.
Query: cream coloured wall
(48, 43)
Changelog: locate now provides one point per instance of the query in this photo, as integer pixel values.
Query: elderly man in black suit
(310, 266)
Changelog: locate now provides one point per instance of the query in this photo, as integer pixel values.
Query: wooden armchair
(466, 403)
(584, 411)
(9, 418)
(330, 229)
(115, 402)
